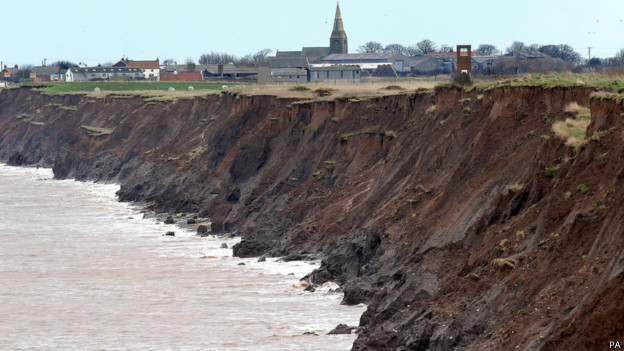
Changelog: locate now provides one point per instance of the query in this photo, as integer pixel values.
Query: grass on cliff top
(368, 87)
(88, 87)
(613, 81)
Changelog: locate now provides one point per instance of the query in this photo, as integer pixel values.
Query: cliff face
(464, 225)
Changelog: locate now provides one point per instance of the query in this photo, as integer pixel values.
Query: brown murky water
(80, 271)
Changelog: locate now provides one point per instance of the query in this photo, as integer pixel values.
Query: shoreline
(160, 218)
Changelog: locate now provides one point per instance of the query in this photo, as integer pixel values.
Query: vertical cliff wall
(460, 217)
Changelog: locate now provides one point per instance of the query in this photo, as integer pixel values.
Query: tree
(562, 51)
(445, 48)
(261, 56)
(426, 46)
(517, 46)
(412, 50)
(190, 60)
(370, 47)
(595, 61)
(24, 72)
(169, 62)
(534, 46)
(216, 57)
(486, 50)
(567, 53)
(395, 49)
(618, 60)
(62, 64)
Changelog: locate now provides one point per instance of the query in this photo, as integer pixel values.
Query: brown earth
(445, 221)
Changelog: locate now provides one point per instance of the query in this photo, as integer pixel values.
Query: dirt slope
(464, 226)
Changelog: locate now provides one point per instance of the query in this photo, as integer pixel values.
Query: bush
(582, 188)
(462, 79)
(550, 172)
(323, 91)
(394, 87)
(299, 88)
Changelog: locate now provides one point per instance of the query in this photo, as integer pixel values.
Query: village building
(296, 67)
(150, 68)
(527, 54)
(47, 73)
(215, 71)
(335, 73)
(80, 74)
(483, 64)
(6, 73)
(181, 77)
(370, 61)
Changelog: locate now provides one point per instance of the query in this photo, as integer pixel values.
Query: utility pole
(589, 53)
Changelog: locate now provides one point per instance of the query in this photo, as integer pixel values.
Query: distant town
(333, 63)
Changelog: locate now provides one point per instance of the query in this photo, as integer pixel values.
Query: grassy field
(79, 87)
(611, 82)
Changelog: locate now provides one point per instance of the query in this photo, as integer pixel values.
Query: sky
(101, 31)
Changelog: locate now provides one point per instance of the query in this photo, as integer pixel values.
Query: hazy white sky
(95, 31)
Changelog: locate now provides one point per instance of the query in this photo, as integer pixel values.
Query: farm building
(80, 74)
(335, 73)
(370, 61)
(150, 68)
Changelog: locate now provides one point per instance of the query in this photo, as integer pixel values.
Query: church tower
(338, 39)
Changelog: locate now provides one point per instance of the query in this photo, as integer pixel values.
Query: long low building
(83, 74)
(335, 73)
(400, 62)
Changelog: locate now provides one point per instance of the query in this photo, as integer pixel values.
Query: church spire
(338, 39)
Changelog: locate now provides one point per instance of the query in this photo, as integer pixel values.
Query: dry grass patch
(573, 130)
(431, 110)
(366, 88)
(515, 188)
(96, 132)
(575, 109)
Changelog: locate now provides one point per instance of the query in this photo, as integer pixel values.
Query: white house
(151, 69)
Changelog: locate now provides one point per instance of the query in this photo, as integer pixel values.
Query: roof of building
(182, 76)
(528, 53)
(213, 69)
(45, 70)
(289, 62)
(335, 68)
(289, 72)
(113, 70)
(449, 53)
(314, 52)
(144, 64)
(364, 56)
(481, 59)
(287, 53)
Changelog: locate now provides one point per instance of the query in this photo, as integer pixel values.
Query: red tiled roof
(181, 77)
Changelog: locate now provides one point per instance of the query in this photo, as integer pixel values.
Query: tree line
(561, 51)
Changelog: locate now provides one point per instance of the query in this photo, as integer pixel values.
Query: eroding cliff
(460, 217)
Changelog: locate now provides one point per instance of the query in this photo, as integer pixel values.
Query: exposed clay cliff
(468, 225)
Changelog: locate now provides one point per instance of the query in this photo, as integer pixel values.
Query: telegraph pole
(589, 53)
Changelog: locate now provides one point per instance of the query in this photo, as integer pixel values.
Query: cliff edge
(462, 218)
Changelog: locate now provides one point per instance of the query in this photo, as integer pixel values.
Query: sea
(81, 271)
